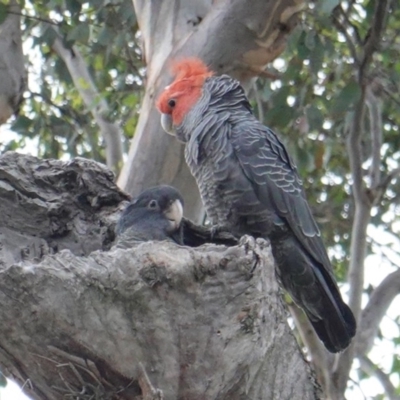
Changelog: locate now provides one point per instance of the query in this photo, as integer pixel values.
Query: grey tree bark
(153, 321)
(229, 36)
(12, 69)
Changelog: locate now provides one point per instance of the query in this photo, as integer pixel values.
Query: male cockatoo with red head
(250, 185)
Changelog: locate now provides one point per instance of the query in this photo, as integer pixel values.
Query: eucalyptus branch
(32, 17)
(389, 177)
(349, 40)
(380, 300)
(392, 96)
(65, 111)
(347, 19)
(260, 109)
(371, 369)
(375, 118)
(93, 100)
(375, 34)
(355, 149)
(321, 360)
(363, 204)
(385, 182)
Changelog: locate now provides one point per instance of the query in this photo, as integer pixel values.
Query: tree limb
(354, 147)
(93, 100)
(394, 174)
(379, 301)
(346, 16)
(200, 321)
(362, 202)
(320, 358)
(230, 37)
(374, 36)
(343, 29)
(375, 118)
(371, 369)
(35, 18)
(79, 321)
(356, 131)
(13, 78)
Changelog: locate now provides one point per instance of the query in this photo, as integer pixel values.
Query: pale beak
(175, 214)
(166, 123)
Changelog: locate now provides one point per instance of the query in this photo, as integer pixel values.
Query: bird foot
(255, 246)
(248, 242)
(217, 230)
(251, 243)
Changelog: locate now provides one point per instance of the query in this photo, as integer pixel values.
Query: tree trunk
(12, 68)
(230, 37)
(153, 321)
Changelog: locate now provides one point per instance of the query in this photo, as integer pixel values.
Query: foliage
(3, 380)
(106, 35)
(312, 104)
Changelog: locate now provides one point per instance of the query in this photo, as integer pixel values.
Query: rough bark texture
(155, 321)
(49, 205)
(12, 68)
(229, 36)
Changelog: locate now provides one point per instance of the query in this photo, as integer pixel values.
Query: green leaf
(279, 116)
(3, 380)
(304, 158)
(22, 125)
(3, 12)
(294, 68)
(62, 71)
(309, 40)
(315, 118)
(370, 9)
(327, 6)
(73, 6)
(48, 37)
(293, 39)
(98, 3)
(266, 92)
(346, 98)
(280, 97)
(126, 11)
(106, 36)
(80, 33)
(317, 55)
(302, 49)
(396, 364)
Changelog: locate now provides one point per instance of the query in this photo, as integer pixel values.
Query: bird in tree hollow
(156, 214)
(250, 185)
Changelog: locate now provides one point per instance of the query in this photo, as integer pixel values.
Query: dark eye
(153, 204)
(172, 103)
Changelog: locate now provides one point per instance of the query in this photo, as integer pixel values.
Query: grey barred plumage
(249, 184)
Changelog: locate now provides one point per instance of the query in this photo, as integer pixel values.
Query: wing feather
(267, 165)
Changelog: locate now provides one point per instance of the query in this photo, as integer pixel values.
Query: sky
(12, 392)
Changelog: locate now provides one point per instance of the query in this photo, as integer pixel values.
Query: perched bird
(249, 184)
(156, 214)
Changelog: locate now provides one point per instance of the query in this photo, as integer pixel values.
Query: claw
(217, 229)
(248, 242)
